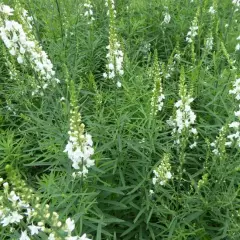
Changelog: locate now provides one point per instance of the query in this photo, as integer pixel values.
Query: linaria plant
(234, 127)
(167, 17)
(219, 145)
(88, 8)
(183, 124)
(157, 96)
(168, 70)
(110, 4)
(183, 120)
(115, 54)
(193, 31)
(209, 43)
(162, 173)
(22, 44)
(80, 145)
(234, 137)
(25, 217)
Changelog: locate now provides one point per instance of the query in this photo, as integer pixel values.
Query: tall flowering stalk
(234, 137)
(88, 8)
(219, 145)
(231, 62)
(80, 145)
(115, 54)
(25, 216)
(234, 127)
(168, 70)
(193, 31)
(162, 173)
(209, 43)
(158, 96)
(22, 44)
(191, 35)
(182, 123)
(237, 48)
(167, 16)
(184, 118)
(236, 3)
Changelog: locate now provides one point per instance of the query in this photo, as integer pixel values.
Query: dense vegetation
(120, 120)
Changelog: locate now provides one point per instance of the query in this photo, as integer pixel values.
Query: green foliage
(114, 201)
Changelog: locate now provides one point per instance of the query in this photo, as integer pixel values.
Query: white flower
(89, 140)
(88, 11)
(192, 32)
(193, 145)
(162, 182)
(121, 72)
(237, 114)
(237, 48)
(234, 124)
(105, 75)
(194, 130)
(211, 10)
(162, 173)
(112, 6)
(72, 238)
(29, 212)
(84, 237)
(160, 102)
(110, 66)
(115, 58)
(23, 204)
(70, 225)
(228, 144)
(119, 84)
(12, 51)
(13, 197)
(215, 151)
(34, 229)
(20, 59)
(184, 119)
(6, 220)
(51, 236)
(22, 43)
(236, 2)
(168, 175)
(209, 43)
(45, 86)
(151, 192)
(178, 104)
(24, 236)
(167, 18)
(6, 10)
(111, 75)
(16, 217)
